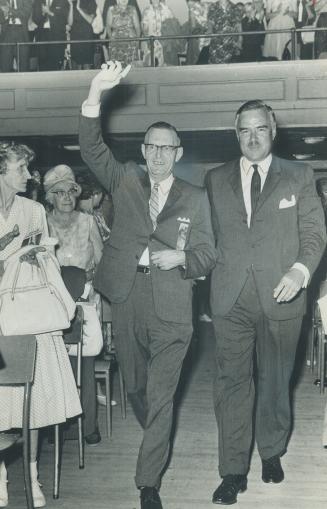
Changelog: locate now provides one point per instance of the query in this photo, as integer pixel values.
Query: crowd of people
(111, 30)
(258, 228)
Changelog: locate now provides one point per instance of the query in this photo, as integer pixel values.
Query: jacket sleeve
(37, 16)
(24, 9)
(98, 156)
(200, 252)
(311, 221)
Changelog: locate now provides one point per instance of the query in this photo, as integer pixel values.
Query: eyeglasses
(166, 149)
(64, 194)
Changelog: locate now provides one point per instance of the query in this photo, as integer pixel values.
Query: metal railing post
(153, 64)
(293, 44)
(18, 56)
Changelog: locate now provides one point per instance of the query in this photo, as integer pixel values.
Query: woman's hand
(9, 237)
(30, 256)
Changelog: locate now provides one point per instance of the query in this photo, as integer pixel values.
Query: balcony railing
(293, 32)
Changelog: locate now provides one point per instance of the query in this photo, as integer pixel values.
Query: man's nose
(27, 174)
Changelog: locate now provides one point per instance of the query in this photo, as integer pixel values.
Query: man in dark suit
(161, 239)
(269, 228)
(15, 29)
(50, 16)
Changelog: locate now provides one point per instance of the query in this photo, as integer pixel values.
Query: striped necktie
(255, 189)
(154, 204)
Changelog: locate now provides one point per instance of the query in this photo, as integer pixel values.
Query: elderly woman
(54, 396)
(279, 14)
(223, 16)
(79, 245)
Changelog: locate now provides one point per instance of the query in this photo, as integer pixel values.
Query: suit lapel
(236, 185)
(272, 180)
(172, 197)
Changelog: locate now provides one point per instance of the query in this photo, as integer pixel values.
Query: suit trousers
(89, 401)
(244, 331)
(150, 353)
(13, 34)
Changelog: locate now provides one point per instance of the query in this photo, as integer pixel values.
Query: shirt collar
(164, 185)
(263, 166)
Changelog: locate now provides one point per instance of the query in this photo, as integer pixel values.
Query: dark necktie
(154, 204)
(255, 189)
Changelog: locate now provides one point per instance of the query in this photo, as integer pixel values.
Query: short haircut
(255, 104)
(12, 149)
(162, 125)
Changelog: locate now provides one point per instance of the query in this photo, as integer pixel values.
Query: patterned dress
(152, 24)
(224, 49)
(54, 396)
(198, 19)
(122, 26)
(275, 44)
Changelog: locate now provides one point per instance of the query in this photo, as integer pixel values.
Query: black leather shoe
(226, 493)
(272, 470)
(94, 438)
(150, 498)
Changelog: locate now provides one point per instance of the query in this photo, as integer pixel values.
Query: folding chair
(71, 336)
(17, 367)
(103, 369)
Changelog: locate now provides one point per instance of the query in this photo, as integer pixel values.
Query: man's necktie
(255, 189)
(154, 204)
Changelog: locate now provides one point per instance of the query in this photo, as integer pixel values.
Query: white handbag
(33, 298)
(92, 332)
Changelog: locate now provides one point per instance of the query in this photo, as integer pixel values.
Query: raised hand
(109, 77)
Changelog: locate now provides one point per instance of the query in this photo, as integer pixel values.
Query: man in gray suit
(270, 233)
(161, 239)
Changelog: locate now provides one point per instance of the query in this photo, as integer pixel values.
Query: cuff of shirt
(90, 110)
(305, 272)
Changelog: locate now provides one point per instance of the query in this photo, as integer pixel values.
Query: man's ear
(179, 154)
(143, 150)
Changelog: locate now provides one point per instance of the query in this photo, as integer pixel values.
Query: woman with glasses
(54, 396)
(79, 245)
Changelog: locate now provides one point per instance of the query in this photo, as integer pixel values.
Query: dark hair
(255, 104)
(89, 185)
(12, 149)
(162, 125)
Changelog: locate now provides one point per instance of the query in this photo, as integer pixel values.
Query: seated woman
(54, 396)
(79, 245)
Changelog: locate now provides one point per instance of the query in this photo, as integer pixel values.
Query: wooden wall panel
(192, 98)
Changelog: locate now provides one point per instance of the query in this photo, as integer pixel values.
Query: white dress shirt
(246, 177)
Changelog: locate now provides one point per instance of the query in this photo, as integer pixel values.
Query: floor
(107, 480)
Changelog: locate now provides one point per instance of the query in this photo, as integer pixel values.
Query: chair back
(74, 334)
(18, 359)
